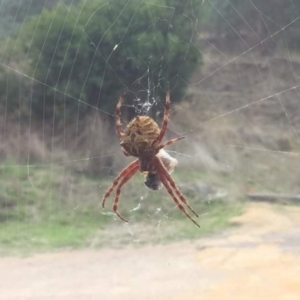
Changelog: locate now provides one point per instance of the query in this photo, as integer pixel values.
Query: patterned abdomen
(140, 136)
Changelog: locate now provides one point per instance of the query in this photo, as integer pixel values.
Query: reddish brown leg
(162, 175)
(165, 118)
(123, 173)
(170, 142)
(118, 192)
(176, 189)
(118, 116)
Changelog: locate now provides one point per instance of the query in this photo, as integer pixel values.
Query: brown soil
(258, 260)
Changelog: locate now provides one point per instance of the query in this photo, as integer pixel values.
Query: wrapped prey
(152, 180)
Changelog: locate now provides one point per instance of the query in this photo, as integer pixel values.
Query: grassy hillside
(48, 208)
(240, 120)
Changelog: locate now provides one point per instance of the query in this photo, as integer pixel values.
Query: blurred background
(233, 68)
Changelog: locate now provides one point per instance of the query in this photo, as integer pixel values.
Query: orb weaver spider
(142, 138)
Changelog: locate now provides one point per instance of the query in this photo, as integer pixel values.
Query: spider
(142, 138)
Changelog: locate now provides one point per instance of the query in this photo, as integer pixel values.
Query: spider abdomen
(140, 137)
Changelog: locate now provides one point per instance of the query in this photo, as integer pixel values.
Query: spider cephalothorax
(142, 138)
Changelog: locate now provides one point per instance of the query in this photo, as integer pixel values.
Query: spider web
(239, 118)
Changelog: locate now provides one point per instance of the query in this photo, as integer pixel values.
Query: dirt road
(258, 260)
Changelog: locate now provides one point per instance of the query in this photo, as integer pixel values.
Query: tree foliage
(14, 12)
(94, 50)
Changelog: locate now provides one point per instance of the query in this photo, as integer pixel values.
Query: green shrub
(94, 50)
(14, 93)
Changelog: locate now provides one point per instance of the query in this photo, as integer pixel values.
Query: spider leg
(118, 192)
(162, 173)
(176, 189)
(165, 118)
(118, 116)
(123, 173)
(170, 142)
